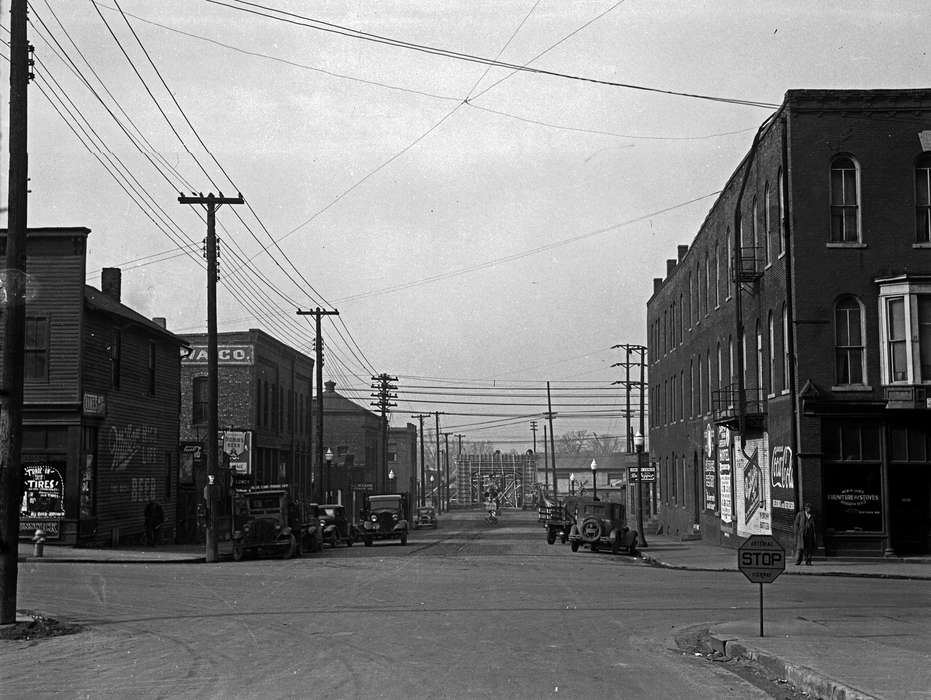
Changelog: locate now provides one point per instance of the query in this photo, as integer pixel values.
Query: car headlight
(394, 516)
(374, 518)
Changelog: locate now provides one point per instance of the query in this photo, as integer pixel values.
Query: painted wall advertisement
(782, 478)
(43, 505)
(724, 475)
(752, 497)
(710, 469)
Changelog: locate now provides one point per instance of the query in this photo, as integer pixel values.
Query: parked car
(310, 536)
(557, 518)
(601, 524)
(425, 517)
(335, 525)
(266, 524)
(384, 517)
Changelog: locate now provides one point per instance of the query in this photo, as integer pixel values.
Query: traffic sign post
(761, 559)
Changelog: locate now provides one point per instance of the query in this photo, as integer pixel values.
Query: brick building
(264, 392)
(101, 393)
(790, 345)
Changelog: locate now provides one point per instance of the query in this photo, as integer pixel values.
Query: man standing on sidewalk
(804, 535)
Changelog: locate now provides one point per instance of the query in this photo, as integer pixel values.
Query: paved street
(464, 611)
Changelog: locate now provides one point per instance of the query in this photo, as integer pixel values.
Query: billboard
(752, 497)
(237, 444)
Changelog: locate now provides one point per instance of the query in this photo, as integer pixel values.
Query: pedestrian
(154, 517)
(804, 535)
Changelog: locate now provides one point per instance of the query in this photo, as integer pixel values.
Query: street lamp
(594, 468)
(432, 495)
(328, 456)
(391, 476)
(571, 483)
(638, 445)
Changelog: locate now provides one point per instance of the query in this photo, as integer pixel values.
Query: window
(845, 209)
(729, 272)
(716, 278)
(36, 348)
(848, 342)
(709, 292)
(785, 348)
(767, 226)
(151, 368)
(755, 241)
(923, 199)
(760, 362)
(116, 350)
(199, 400)
(771, 379)
(905, 325)
(782, 212)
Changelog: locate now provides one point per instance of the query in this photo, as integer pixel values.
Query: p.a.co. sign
(226, 355)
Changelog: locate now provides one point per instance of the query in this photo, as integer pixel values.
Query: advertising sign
(724, 475)
(710, 469)
(782, 478)
(43, 504)
(751, 472)
(238, 445)
(226, 355)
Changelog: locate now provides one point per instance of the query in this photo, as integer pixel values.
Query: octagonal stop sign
(761, 558)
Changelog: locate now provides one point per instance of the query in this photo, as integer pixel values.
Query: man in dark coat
(804, 535)
(154, 517)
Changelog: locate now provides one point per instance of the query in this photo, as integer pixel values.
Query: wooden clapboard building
(101, 397)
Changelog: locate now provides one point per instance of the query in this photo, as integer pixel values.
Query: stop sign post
(761, 559)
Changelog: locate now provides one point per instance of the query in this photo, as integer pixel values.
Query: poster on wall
(43, 505)
(710, 469)
(782, 478)
(724, 475)
(238, 445)
(752, 497)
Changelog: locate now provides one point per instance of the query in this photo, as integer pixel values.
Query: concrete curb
(653, 561)
(801, 677)
(75, 560)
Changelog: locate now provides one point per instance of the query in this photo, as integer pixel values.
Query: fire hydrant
(38, 542)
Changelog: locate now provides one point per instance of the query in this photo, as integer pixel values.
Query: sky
(481, 230)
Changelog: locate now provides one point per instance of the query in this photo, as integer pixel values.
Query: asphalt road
(466, 611)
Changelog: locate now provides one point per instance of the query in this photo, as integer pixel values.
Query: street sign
(761, 559)
(646, 474)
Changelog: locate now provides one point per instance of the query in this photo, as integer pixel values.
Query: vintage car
(335, 525)
(601, 524)
(264, 524)
(384, 517)
(425, 517)
(557, 519)
(307, 515)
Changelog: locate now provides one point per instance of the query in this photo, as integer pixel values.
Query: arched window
(848, 342)
(771, 378)
(716, 277)
(785, 347)
(767, 226)
(923, 198)
(845, 201)
(760, 362)
(782, 212)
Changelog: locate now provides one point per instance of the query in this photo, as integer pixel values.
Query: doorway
(910, 508)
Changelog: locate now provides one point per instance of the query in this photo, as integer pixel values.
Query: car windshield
(385, 502)
(264, 501)
(425, 511)
(331, 512)
(593, 509)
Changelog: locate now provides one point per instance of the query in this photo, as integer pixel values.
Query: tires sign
(761, 559)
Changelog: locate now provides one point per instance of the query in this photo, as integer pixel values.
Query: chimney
(329, 386)
(683, 249)
(110, 282)
(657, 284)
(670, 267)
(160, 321)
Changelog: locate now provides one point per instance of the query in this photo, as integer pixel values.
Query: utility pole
(446, 500)
(549, 414)
(211, 491)
(533, 429)
(641, 352)
(423, 474)
(11, 390)
(546, 464)
(459, 437)
(439, 485)
(384, 394)
(318, 350)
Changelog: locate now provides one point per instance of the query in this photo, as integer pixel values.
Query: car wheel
(565, 538)
(316, 545)
(403, 538)
(367, 541)
(551, 537)
(615, 544)
(349, 541)
(238, 551)
(334, 540)
(594, 546)
(575, 545)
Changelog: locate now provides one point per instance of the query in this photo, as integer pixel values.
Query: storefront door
(910, 508)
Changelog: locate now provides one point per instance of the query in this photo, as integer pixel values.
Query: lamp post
(594, 468)
(638, 445)
(391, 476)
(328, 456)
(432, 495)
(572, 484)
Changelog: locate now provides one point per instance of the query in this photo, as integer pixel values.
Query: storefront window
(853, 498)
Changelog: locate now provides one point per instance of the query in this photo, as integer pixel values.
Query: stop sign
(761, 558)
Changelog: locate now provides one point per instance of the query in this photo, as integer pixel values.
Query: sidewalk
(163, 554)
(842, 657)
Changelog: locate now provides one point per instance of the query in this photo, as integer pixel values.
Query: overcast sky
(475, 227)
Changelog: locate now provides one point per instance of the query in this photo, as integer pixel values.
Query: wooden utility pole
(14, 306)
(318, 361)
(439, 484)
(446, 499)
(384, 395)
(211, 491)
(423, 474)
(549, 415)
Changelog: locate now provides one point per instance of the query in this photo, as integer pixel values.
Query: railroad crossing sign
(761, 559)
